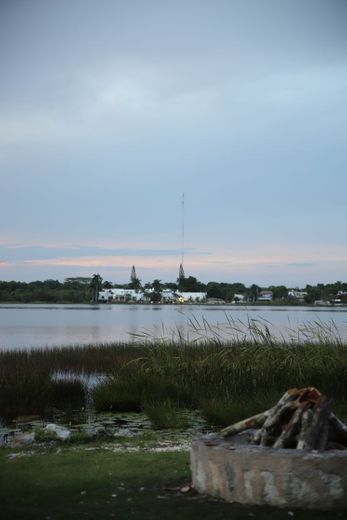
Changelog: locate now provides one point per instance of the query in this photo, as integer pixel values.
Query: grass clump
(36, 393)
(67, 394)
(119, 393)
(222, 413)
(43, 436)
(23, 393)
(76, 438)
(134, 385)
(166, 414)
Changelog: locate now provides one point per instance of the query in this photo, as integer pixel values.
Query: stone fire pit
(244, 464)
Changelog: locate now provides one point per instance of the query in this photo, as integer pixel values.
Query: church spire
(133, 277)
(181, 274)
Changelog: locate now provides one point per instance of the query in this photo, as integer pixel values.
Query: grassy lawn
(95, 483)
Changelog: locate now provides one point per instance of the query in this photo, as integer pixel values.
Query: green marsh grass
(166, 414)
(67, 394)
(252, 367)
(27, 377)
(119, 393)
(32, 393)
(23, 392)
(235, 377)
(222, 413)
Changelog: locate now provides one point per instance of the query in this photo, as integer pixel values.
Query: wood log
(301, 419)
(314, 433)
(322, 439)
(310, 394)
(288, 437)
(338, 429)
(305, 426)
(279, 414)
(255, 421)
(335, 446)
(273, 425)
(320, 426)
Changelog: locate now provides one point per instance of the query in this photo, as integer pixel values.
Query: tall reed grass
(192, 375)
(32, 393)
(223, 379)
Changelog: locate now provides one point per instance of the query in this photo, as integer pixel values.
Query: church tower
(133, 277)
(181, 274)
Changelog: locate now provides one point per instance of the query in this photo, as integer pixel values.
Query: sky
(111, 109)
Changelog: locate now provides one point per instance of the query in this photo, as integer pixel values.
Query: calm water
(24, 326)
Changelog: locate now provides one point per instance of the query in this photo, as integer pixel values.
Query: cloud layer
(110, 110)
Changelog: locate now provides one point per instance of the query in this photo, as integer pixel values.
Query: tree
(135, 284)
(214, 290)
(156, 291)
(313, 293)
(230, 289)
(280, 292)
(190, 284)
(253, 292)
(96, 285)
(170, 285)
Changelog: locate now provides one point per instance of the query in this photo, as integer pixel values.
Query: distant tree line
(85, 290)
(280, 293)
(72, 290)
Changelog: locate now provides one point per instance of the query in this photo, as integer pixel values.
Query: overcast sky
(110, 109)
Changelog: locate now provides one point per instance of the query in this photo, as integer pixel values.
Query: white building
(297, 295)
(239, 298)
(167, 296)
(120, 295)
(191, 297)
(265, 296)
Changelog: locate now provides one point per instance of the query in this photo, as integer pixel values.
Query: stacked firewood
(301, 419)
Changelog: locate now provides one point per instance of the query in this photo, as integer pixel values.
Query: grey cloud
(110, 109)
(182, 45)
(301, 264)
(10, 253)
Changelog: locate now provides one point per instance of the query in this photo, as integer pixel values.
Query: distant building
(239, 298)
(133, 295)
(169, 296)
(133, 275)
(265, 296)
(323, 303)
(191, 297)
(297, 295)
(121, 295)
(215, 301)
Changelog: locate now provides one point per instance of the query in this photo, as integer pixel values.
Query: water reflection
(26, 326)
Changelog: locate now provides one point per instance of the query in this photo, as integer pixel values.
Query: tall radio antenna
(182, 229)
(181, 270)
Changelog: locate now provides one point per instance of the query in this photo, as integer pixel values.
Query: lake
(25, 326)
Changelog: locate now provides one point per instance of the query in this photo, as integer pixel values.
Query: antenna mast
(181, 274)
(182, 257)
